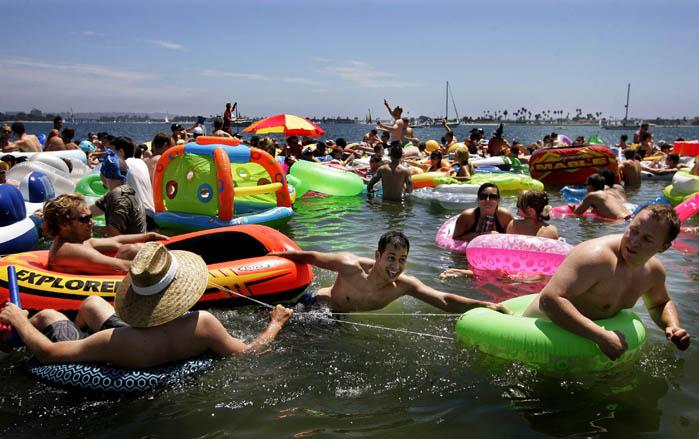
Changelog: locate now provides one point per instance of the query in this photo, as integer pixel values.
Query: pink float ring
(517, 254)
(444, 237)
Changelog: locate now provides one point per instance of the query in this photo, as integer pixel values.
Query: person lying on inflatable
(68, 220)
(153, 301)
(363, 284)
(605, 203)
(604, 275)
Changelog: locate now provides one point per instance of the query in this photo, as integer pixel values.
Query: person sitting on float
(460, 168)
(123, 211)
(603, 202)
(154, 326)
(669, 165)
(534, 208)
(68, 220)
(487, 217)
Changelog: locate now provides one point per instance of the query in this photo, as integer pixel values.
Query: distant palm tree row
(525, 115)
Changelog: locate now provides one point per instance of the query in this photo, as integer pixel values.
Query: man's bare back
(28, 143)
(605, 203)
(631, 173)
(394, 179)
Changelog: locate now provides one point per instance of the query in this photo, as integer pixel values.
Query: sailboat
(450, 123)
(624, 125)
(368, 118)
(167, 119)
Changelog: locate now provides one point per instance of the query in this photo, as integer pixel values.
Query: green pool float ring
(542, 344)
(92, 187)
(676, 197)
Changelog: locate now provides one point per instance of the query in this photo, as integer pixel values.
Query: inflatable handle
(688, 208)
(12, 282)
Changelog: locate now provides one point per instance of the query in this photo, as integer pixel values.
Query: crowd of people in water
(150, 323)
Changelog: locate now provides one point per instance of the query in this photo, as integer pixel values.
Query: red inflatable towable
(564, 166)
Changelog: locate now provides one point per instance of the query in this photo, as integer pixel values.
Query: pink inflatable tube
(565, 211)
(688, 208)
(516, 254)
(444, 237)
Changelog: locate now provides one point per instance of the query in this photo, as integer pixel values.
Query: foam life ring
(108, 378)
(517, 254)
(540, 343)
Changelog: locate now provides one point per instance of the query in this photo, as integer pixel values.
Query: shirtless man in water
(363, 284)
(630, 169)
(605, 203)
(604, 275)
(25, 142)
(68, 220)
(394, 178)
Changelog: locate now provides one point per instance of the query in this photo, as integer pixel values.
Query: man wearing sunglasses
(68, 220)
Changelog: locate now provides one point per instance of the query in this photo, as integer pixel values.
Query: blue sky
(342, 57)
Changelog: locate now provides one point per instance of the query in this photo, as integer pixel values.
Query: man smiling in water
(363, 284)
(604, 275)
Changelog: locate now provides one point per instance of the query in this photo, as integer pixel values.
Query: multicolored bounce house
(564, 166)
(217, 182)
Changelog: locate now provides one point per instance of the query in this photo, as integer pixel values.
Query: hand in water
(678, 336)
(280, 314)
(613, 345)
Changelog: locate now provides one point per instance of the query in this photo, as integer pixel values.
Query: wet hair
(17, 128)
(396, 152)
(645, 136)
(379, 147)
(421, 146)
(448, 136)
(68, 133)
(609, 177)
(374, 132)
(254, 141)
(341, 142)
(624, 138)
(57, 118)
(126, 144)
(629, 153)
(644, 125)
(140, 149)
(664, 213)
(218, 123)
(396, 239)
(485, 186)
(596, 181)
(375, 159)
(436, 154)
(292, 139)
(536, 199)
(58, 211)
(160, 141)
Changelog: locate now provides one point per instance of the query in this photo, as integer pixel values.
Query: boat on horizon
(623, 124)
(450, 124)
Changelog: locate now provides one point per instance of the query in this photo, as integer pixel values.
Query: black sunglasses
(83, 218)
(484, 197)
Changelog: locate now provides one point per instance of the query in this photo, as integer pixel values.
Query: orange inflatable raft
(236, 257)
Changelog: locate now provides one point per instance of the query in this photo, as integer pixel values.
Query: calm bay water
(337, 380)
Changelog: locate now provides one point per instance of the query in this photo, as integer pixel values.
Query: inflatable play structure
(540, 343)
(236, 258)
(203, 185)
(17, 232)
(562, 166)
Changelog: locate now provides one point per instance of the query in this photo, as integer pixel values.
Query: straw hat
(161, 286)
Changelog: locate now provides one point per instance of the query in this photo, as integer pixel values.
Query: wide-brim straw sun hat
(160, 286)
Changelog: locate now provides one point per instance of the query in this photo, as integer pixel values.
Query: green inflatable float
(325, 179)
(542, 344)
(92, 187)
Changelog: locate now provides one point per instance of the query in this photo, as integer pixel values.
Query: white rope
(366, 325)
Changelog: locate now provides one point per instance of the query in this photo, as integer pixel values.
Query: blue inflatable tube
(190, 222)
(660, 200)
(107, 378)
(573, 194)
(19, 237)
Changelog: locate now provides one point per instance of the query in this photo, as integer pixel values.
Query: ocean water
(333, 379)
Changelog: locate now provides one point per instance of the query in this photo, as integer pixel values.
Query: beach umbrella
(286, 124)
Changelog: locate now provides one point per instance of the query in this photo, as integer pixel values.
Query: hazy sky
(330, 57)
